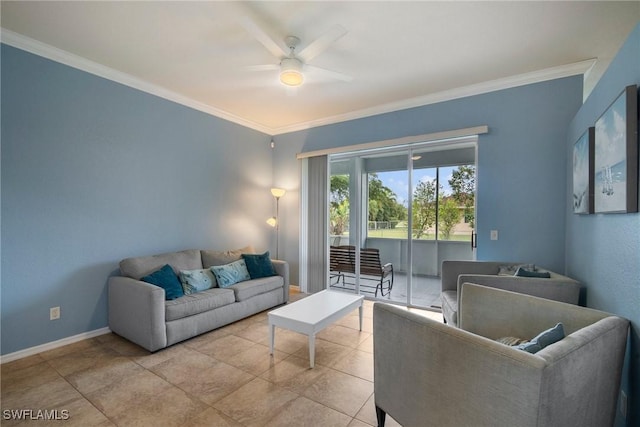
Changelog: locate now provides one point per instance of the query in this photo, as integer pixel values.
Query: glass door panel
(339, 202)
(341, 250)
(456, 213)
(425, 285)
(385, 262)
(444, 216)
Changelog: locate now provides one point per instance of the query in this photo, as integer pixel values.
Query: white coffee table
(312, 314)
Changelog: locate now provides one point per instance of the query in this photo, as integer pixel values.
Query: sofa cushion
(259, 265)
(251, 288)
(211, 258)
(142, 266)
(200, 302)
(197, 280)
(166, 279)
(232, 273)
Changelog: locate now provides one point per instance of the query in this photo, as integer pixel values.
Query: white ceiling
(400, 54)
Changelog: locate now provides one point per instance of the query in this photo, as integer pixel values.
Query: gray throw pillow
(543, 339)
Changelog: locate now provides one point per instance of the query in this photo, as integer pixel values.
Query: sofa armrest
(137, 312)
(452, 269)
(593, 359)
(282, 269)
(424, 369)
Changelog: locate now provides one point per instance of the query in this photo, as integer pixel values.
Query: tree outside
(339, 205)
(463, 186)
(383, 203)
(339, 218)
(448, 217)
(424, 208)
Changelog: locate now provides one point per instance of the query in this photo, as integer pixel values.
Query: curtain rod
(437, 136)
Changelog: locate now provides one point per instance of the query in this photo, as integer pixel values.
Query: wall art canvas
(583, 167)
(616, 155)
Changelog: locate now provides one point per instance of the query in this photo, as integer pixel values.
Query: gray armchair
(430, 373)
(454, 273)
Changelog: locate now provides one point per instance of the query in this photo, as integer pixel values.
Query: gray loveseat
(488, 273)
(139, 312)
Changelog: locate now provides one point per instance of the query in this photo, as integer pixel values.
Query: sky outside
(397, 180)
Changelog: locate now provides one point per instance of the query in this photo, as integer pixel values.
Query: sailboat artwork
(607, 181)
(616, 156)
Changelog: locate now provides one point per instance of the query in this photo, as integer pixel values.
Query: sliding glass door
(395, 214)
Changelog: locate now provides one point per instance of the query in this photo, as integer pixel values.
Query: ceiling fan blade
(259, 34)
(265, 67)
(319, 45)
(322, 72)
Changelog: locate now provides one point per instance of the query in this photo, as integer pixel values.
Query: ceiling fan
(294, 66)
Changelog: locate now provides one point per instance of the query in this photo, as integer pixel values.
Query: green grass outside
(401, 233)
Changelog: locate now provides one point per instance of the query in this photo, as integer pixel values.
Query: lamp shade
(278, 192)
(272, 221)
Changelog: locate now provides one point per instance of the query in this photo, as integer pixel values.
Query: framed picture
(616, 155)
(583, 176)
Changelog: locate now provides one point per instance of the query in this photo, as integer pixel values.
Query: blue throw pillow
(523, 272)
(166, 278)
(230, 274)
(259, 265)
(543, 339)
(197, 280)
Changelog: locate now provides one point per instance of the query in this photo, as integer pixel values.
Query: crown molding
(568, 70)
(36, 47)
(58, 55)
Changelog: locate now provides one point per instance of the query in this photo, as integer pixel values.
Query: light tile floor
(223, 378)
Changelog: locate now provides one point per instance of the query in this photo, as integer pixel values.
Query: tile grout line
(82, 395)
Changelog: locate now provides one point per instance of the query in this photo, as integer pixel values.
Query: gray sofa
(138, 310)
(430, 373)
(487, 273)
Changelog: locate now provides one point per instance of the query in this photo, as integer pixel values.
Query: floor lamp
(274, 220)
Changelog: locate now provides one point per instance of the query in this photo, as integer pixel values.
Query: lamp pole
(277, 225)
(277, 193)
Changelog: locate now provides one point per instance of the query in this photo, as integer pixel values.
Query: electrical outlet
(623, 403)
(494, 234)
(54, 313)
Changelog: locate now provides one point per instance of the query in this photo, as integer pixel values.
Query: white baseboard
(51, 345)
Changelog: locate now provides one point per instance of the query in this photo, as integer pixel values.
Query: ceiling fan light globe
(291, 77)
(291, 72)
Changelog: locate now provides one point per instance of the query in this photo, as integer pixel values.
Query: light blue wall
(603, 251)
(522, 163)
(93, 172)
